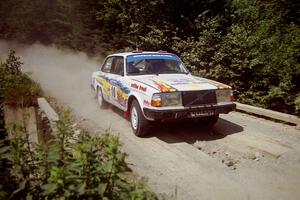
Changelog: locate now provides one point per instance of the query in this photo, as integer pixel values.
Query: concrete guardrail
(48, 110)
(269, 113)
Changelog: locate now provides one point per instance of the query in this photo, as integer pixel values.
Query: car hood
(178, 82)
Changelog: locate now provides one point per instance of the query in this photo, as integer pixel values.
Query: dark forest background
(252, 45)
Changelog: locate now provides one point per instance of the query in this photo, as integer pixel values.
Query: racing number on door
(113, 92)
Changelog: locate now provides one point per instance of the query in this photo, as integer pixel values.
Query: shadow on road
(191, 131)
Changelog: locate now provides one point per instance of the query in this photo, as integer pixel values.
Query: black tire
(101, 101)
(139, 123)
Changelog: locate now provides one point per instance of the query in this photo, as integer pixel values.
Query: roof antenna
(136, 47)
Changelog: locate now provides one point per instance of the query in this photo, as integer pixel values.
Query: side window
(107, 65)
(118, 66)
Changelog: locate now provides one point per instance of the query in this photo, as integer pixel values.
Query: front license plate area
(202, 113)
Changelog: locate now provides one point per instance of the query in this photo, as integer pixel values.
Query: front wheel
(139, 123)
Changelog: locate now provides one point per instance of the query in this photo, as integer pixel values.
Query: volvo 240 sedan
(156, 86)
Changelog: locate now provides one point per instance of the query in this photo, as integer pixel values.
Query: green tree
(252, 45)
(259, 56)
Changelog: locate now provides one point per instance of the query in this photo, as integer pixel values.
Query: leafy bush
(69, 167)
(17, 87)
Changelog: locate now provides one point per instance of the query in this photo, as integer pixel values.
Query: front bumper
(189, 112)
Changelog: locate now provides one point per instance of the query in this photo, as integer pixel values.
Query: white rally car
(156, 86)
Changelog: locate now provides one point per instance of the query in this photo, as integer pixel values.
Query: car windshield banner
(151, 56)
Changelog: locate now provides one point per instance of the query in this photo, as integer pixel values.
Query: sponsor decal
(134, 85)
(143, 89)
(214, 83)
(138, 87)
(187, 83)
(146, 103)
(163, 87)
(194, 85)
(152, 56)
(122, 98)
(181, 81)
(217, 84)
(105, 84)
(115, 89)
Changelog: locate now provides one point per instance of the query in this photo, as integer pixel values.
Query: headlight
(225, 95)
(166, 99)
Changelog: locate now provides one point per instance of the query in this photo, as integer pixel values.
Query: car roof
(125, 54)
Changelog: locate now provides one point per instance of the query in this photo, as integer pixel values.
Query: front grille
(195, 98)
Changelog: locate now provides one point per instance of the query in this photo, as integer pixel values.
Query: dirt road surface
(242, 157)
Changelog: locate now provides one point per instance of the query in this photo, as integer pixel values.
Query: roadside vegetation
(16, 88)
(69, 165)
(252, 45)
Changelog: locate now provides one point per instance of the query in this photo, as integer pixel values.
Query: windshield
(154, 64)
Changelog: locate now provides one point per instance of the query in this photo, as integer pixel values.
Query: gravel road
(242, 157)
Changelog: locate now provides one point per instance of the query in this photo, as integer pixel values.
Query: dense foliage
(252, 45)
(70, 167)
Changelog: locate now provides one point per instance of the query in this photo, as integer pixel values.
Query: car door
(118, 91)
(102, 78)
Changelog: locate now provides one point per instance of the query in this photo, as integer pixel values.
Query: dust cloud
(55, 67)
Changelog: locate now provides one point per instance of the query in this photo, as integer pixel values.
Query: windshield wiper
(172, 72)
(137, 73)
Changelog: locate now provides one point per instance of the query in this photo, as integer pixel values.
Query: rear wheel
(139, 123)
(102, 103)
